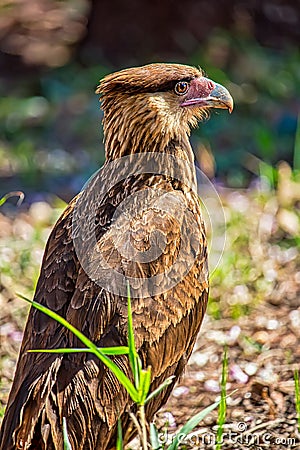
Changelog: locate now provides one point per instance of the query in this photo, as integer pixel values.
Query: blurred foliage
(50, 141)
(265, 85)
(42, 31)
(50, 122)
(262, 241)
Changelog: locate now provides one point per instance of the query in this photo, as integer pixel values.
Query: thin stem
(136, 423)
(143, 426)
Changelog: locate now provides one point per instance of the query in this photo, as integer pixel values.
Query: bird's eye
(181, 87)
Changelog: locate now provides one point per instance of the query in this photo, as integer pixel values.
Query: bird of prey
(148, 111)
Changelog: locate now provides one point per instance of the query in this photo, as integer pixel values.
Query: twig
(265, 424)
(136, 422)
(140, 426)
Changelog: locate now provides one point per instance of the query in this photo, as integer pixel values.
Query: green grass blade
(119, 445)
(269, 173)
(154, 438)
(133, 356)
(144, 386)
(67, 443)
(104, 350)
(222, 405)
(2, 411)
(297, 395)
(19, 194)
(296, 161)
(89, 344)
(191, 424)
(162, 386)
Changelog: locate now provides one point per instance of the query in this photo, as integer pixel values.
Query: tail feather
(26, 408)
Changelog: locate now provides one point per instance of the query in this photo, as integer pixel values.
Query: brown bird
(138, 219)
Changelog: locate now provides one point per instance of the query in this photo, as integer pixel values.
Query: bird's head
(157, 102)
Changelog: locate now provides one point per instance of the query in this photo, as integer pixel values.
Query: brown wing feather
(49, 387)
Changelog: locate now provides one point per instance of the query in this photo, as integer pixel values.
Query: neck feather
(144, 123)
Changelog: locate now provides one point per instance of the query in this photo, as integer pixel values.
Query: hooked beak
(207, 93)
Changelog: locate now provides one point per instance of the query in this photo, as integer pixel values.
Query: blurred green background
(53, 52)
